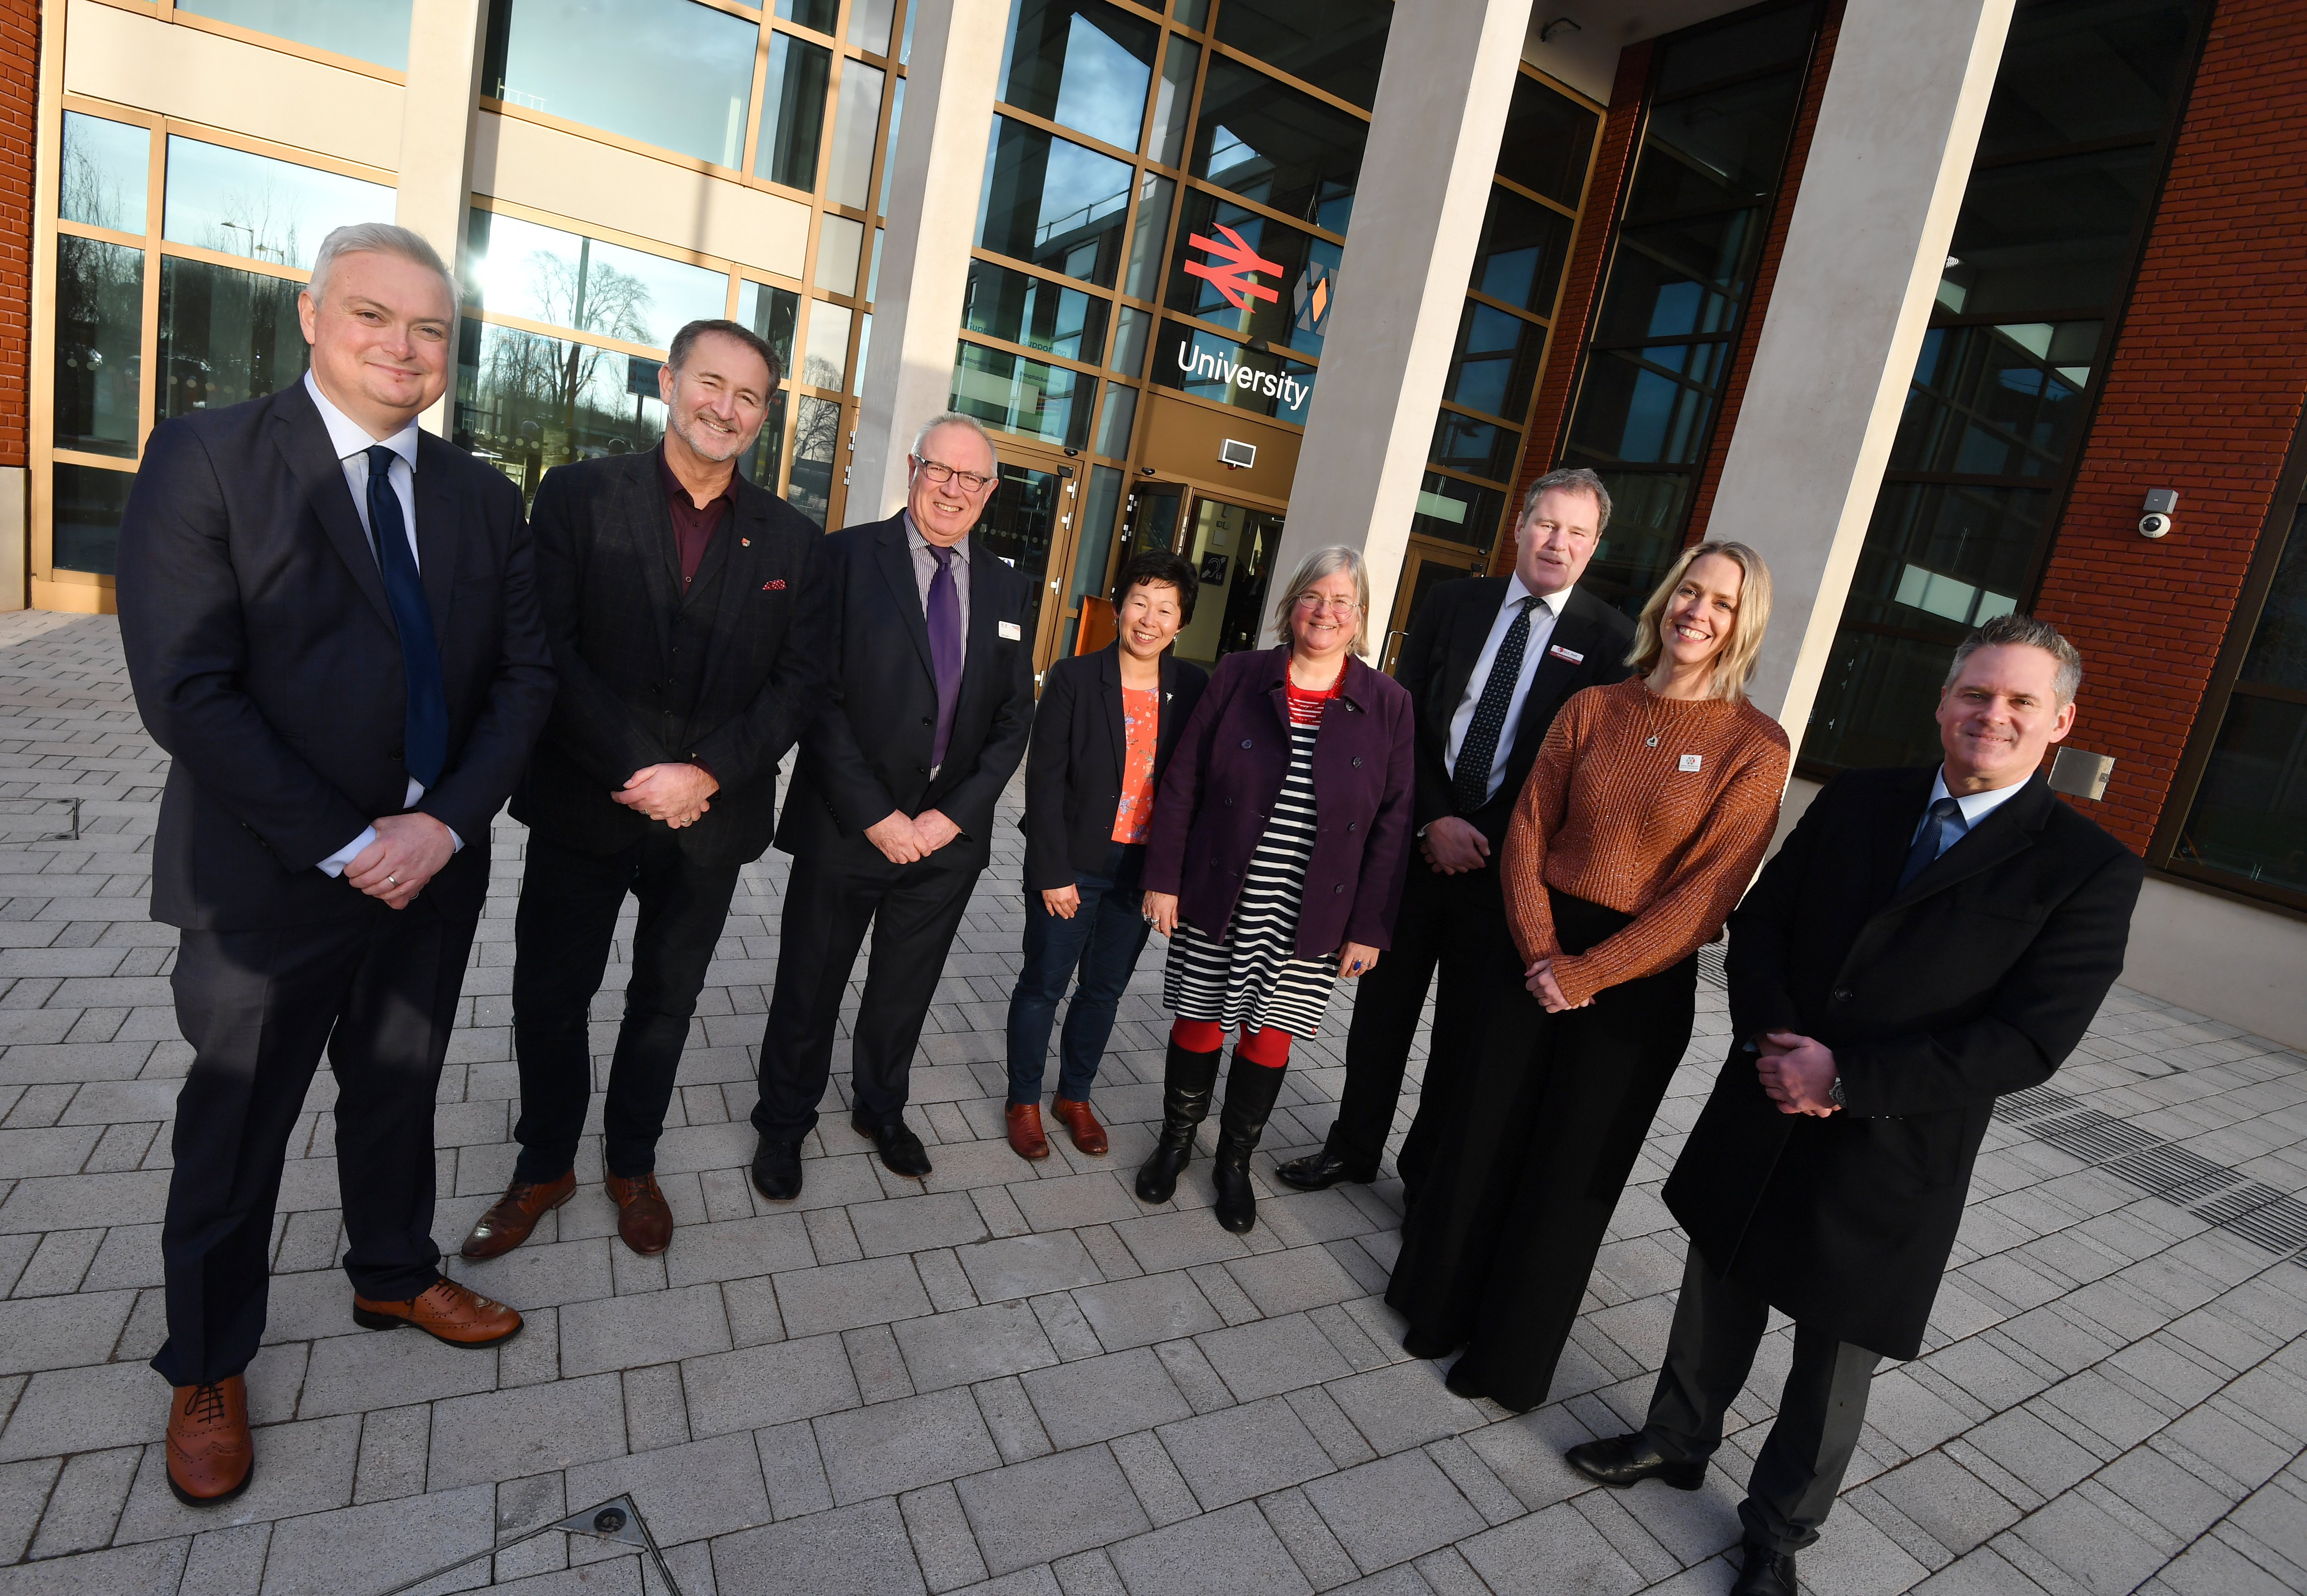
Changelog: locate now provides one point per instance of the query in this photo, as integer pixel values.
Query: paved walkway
(1022, 1376)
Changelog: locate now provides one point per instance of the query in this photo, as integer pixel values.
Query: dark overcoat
(1229, 769)
(1074, 768)
(1977, 978)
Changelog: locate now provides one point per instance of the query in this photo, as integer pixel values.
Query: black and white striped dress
(1256, 977)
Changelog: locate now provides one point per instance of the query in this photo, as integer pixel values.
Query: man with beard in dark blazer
(1924, 942)
(928, 701)
(683, 603)
(1487, 664)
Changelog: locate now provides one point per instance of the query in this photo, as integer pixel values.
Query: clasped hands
(676, 794)
(409, 850)
(1797, 1072)
(902, 838)
(1543, 985)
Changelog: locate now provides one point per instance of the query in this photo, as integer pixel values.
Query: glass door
(1423, 569)
(1230, 547)
(1028, 523)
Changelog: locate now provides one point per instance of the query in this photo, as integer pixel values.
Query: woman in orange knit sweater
(1643, 820)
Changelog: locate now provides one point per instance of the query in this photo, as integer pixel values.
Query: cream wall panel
(182, 71)
(533, 165)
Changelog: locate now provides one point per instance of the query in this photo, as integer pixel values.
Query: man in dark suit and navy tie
(684, 607)
(927, 704)
(1925, 941)
(331, 622)
(1487, 664)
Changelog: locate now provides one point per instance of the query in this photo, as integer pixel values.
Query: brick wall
(20, 74)
(2202, 395)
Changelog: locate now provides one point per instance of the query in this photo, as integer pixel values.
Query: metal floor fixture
(616, 1519)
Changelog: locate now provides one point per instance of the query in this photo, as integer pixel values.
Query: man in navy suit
(929, 701)
(331, 626)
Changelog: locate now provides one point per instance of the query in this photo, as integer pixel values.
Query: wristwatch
(1834, 1094)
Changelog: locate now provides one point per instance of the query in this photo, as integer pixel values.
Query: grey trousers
(1718, 1324)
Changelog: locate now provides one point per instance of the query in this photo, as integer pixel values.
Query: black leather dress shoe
(1766, 1573)
(776, 1170)
(1318, 1172)
(901, 1149)
(1624, 1460)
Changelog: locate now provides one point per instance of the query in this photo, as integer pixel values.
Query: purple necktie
(945, 647)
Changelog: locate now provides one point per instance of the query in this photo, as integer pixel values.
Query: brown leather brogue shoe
(507, 1225)
(644, 1219)
(444, 1311)
(1081, 1124)
(211, 1457)
(1026, 1139)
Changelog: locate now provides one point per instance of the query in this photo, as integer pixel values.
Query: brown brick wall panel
(20, 34)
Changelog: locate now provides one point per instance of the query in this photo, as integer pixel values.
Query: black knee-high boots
(1250, 1091)
(1186, 1080)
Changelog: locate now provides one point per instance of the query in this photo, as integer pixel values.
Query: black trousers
(1718, 1324)
(567, 920)
(379, 990)
(1457, 924)
(913, 911)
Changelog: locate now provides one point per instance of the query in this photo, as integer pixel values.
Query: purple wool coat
(1228, 770)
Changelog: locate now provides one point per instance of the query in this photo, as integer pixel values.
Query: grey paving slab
(1233, 1550)
(894, 1446)
(1394, 1509)
(1050, 1507)
(1099, 1398)
(849, 1552)
(1238, 1453)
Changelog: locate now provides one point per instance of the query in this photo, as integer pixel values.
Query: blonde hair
(1735, 661)
(1328, 562)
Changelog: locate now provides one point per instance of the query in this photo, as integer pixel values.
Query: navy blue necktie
(1469, 783)
(424, 740)
(1944, 814)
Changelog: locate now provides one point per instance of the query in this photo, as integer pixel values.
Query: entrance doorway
(1230, 546)
(1029, 522)
(1425, 566)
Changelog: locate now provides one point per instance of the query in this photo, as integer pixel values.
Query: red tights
(1261, 1044)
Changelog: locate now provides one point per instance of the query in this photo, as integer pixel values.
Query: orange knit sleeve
(1711, 876)
(1537, 817)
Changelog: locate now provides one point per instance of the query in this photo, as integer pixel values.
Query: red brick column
(2202, 394)
(20, 77)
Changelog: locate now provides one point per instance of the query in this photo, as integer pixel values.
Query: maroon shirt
(692, 528)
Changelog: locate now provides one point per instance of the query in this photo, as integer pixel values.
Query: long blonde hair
(1735, 662)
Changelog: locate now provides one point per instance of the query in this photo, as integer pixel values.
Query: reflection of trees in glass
(529, 403)
(99, 317)
(255, 221)
(84, 194)
(590, 296)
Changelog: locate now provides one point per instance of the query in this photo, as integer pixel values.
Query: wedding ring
(393, 880)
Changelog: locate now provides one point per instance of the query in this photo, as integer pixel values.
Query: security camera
(2160, 503)
(2154, 525)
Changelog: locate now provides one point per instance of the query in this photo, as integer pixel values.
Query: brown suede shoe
(644, 1219)
(1088, 1135)
(444, 1311)
(1025, 1138)
(211, 1457)
(507, 1225)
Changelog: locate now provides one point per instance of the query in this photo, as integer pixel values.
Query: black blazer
(265, 660)
(867, 752)
(609, 583)
(1978, 979)
(1438, 661)
(1073, 771)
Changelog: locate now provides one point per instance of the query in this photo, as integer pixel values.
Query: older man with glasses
(928, 675)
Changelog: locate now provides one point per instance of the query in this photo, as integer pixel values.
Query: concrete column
(439, 111)
(938, 167)
(1441, 109)
(1897, 129)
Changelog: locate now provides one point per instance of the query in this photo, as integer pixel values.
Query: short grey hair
(1328, 562)
(954, 418)
(2006, 631)
(1570, 479)
(379, 238)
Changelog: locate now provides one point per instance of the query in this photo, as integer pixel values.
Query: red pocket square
(776, 586)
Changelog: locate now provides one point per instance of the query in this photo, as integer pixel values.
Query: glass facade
(2059, 198)
(371, 30)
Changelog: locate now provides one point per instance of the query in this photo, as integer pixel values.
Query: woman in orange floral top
(1643, 819)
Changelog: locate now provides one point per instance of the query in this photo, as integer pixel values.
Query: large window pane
(771, 312)
(1020, 309)
(106, 168)
(869, 25)
(840, 249)
(668, 72)
(1736, 48)
(1996, 401)
(1715, 149)
(1671, 279)
(1129, 329)
(2048, 236)
(1335, 46)
(1476, 447)
(1941, 558)
(1115, 420)
(1284, 149)
(1496, 362)
(517, 268)
(1875, 700)
(792, 111)
(375, 30)
(762, 462)
(1211, 367)
(1154, 195)
(820, 14)
(1522, 247)
(88, 500)
(99, 327)
(1457, 512)
(1167, 142)
(2278, 649)
(1647, 509)
(2075, 70)
(825, 358)
(2250, 814)
(889, 160)
(1057, 204)
(527, 404)
(225, 336)
(1550, 138)
(1093, 548)
(1082, 64)
(817, 440)
(849, 165)
(1017, 394)
(242, 204)
(1269, 290)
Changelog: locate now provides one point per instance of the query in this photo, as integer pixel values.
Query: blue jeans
(1102, 942)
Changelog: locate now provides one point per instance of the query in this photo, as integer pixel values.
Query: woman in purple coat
(1279, 841)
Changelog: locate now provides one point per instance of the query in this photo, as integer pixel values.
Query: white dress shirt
(1975, 807)
(351, 442)
(1542, 616)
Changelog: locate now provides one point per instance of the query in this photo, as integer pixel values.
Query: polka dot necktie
(1469, 783)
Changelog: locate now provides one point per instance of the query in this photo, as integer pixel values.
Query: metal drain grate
(2034, 1101)
(2091, 1135)
(2259, 1214)
(2172, 1174)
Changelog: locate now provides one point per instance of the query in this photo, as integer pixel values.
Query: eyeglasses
(938, 470)
(1314, 603)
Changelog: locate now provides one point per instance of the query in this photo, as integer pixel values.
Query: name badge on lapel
(1560, 653)
(1011, 631)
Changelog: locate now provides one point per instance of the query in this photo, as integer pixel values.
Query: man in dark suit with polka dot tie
(1488, 663)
